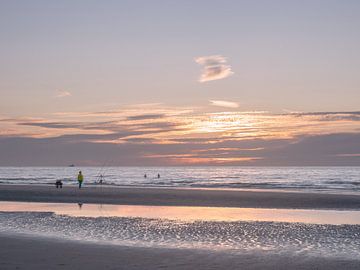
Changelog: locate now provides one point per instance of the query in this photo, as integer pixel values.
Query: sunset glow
(191, 136)
(165, 84)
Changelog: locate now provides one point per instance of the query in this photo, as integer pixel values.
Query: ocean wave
(182, 181)
(23, 178)
(301, 178)
(339, 182)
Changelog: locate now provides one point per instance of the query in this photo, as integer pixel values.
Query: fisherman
(158, 175)
(101, 179)
(80, 179)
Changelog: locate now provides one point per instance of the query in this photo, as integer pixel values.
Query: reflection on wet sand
(188, 213)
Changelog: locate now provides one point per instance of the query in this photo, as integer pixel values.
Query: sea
(308, 179)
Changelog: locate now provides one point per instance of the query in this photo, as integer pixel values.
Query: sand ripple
(279, 237)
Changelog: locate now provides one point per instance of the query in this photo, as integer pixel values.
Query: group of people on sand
(80, 179)
(145, 175)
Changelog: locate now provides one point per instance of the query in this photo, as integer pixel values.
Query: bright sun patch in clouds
(62, 93)
(214, 68)
(156, 134)
(223, 103)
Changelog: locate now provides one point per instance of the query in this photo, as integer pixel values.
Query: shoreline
(180, 197)
(280, 190)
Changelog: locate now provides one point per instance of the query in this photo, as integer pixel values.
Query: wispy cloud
(214, 68)
(62, 93)
(224, 103)
(146, 116)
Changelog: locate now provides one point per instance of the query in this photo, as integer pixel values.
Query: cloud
(178, 136)
(223, 103)
(146, 116)
(319, 150)
(62, 93)
(332, 116)
(214, 68)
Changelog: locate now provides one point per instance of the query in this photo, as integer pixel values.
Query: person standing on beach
(80, 179)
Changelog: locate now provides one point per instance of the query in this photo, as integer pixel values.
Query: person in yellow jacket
(80, 179)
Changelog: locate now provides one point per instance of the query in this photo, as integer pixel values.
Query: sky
(272, 83)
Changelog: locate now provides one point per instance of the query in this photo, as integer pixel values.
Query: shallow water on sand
(188, 213)
(219, 233)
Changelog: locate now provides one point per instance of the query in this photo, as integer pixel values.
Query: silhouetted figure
(58, 184)
(80, 205)
(80, 179)
(145, 176)
(101, 179)
(158, 175)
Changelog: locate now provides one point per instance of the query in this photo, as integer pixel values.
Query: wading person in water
(80, 179)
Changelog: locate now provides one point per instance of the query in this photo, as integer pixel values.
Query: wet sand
(23, 252)
(179, 197)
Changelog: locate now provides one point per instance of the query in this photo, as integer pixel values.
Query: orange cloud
(187, 136)
(223, 103)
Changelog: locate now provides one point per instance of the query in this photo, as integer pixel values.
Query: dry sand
(179, 197)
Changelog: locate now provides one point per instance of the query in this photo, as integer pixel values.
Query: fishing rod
(101, 174)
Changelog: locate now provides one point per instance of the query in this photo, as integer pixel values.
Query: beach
(50, 240)
(194, 135)
(179, 197)
(19, 252)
